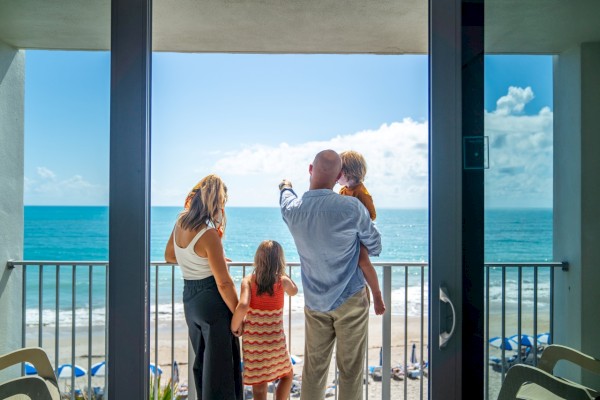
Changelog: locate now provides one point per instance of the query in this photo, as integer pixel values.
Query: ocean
(68, 233)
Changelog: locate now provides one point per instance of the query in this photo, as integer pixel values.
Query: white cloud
(45, 173)
(514, 102)
(396, 155)
(520, 171)
(48, 189)
(521, 151)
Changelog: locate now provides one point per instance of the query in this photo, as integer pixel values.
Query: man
(328, 229)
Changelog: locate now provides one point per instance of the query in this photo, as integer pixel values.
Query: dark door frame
(456, 253)
(129, 200)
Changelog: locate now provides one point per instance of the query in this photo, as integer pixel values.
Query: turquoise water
(67, 233)
(81, 233)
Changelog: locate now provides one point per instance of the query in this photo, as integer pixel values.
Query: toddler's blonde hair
(354, 166)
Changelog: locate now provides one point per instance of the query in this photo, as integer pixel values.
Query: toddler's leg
(371, 277)
(364, 262)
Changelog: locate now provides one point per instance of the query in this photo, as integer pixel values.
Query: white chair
(42, 386)
(525, 382)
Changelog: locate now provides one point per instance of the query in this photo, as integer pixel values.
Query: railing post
(191, 381)
(386, 364)
(40, 305)
(56, 319)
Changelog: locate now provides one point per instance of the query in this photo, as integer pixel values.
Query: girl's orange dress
(265, 352)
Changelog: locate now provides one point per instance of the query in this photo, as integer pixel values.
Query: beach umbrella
(30, 369)
(175, 372)
(295, 359)
(506, 343)
(155, 370)
(413, 355)
(544, 338)
(526, 340)
(66, 371)
(98, 369)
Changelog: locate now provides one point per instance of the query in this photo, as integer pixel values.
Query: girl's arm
(170, 250)
(211, 243)
(288, 285)
(242, 308)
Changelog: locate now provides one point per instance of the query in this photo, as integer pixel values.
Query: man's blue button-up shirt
(328, 229)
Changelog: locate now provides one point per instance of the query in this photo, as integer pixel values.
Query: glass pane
(54, 91)
(254, 119)
(535, 102)
(518, 198)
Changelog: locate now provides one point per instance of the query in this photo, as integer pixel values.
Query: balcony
(518, 301)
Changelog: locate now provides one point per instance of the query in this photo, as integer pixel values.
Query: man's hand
(285, 184)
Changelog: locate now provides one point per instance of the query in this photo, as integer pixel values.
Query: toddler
(354, 169)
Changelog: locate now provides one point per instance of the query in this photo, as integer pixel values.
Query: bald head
(325, 170)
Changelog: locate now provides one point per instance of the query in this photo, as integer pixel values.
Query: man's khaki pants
(348, 324)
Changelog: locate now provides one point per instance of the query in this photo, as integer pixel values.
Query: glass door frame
(455, 206)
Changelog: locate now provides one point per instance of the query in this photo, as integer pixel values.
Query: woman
(209, 295)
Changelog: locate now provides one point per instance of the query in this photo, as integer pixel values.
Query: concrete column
(577, 201)
(12, 90)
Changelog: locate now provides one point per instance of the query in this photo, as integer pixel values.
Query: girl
(261, 304)
(209, 295)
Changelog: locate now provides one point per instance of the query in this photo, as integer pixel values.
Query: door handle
(445, 336)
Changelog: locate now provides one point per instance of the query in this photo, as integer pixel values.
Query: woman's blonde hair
(354, 166)
(269, 265)
(206, 206)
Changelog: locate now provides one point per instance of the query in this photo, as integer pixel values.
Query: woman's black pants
(217, 369)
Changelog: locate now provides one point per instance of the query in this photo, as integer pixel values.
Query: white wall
(577, 201)
(12, 91)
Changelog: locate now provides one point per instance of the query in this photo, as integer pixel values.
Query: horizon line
(248, 206)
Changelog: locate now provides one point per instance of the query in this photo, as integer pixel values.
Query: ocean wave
(417, 304)
(166, 312)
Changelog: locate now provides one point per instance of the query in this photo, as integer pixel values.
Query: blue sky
(254, 119)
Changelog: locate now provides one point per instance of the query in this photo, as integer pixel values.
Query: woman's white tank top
(193, 267)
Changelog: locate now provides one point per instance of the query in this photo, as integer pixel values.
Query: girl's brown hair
(354, 166)
(206, 206)
(269, 265)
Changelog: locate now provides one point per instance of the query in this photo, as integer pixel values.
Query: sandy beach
(401, 335)
(404, 333)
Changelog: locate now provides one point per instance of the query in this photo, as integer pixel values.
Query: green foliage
(158, 392)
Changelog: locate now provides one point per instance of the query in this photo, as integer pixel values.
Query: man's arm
(368, 234)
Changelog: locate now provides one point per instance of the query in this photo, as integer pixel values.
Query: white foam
(397, 306)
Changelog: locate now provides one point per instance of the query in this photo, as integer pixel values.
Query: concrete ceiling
(540, 26)
(297, 26)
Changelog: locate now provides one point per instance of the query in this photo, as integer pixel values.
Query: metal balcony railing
(64, 310)
(519, 304)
